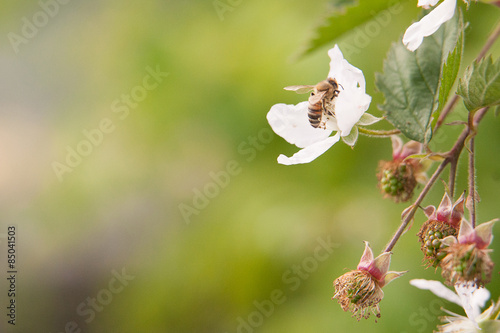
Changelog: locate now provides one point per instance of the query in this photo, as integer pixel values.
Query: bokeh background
(253, 240)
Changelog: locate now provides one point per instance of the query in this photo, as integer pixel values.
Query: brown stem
(419, 200)
(447, 109)
(451, 157)
(489, 43)
(453, 177)
(472, 184)
(453, 101)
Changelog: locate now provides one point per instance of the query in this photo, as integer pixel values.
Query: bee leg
(322, 125)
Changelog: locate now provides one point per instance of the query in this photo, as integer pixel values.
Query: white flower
(291, 121)
(471, 299)
(430, 23)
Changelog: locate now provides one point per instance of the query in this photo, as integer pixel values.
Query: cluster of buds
(467, 259)
(398, 178)
(449, 241)
(360, 291)
(442, 222)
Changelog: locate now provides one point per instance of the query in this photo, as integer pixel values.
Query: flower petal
(381, 265)
(445, 205)
(350, 105)
(429, 24)
(480, 297)
(345, 73)
(429, 211)
(397, 146)
(392, 276)
(292, 124)
(472, 298)
(310, 152)
(437, 288)
(465, 231)
(367, 257)
(484, 233)
(427, 3)
(411, 148)
(449, 240)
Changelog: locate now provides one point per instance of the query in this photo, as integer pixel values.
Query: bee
(320, 100)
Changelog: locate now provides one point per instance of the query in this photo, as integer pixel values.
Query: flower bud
(467, 263)
(442, 222)
(359, 291)
(398, 178)
(467, 259)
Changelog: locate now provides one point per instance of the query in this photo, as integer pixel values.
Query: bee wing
(300, 89)
(316, 98)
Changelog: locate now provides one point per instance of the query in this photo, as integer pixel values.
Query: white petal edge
(309, 153)
(438, 289)
(465, 294)
(429, 24)
(346, 74)
(292, 124)
(427, 3)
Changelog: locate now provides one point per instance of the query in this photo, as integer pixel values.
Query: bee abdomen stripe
(314, 115)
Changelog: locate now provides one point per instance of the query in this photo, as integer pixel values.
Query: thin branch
(472, 184)
(489, 43)
(451, 156)
(383, 134)
(419, 200)
(453, 177)
(447, 109)
(453, 101)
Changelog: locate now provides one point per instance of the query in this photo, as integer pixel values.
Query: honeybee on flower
(342, 111)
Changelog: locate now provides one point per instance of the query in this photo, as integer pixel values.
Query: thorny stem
(447, 109)
(489, 43)
(451, 157)
(472, 184)
(453, 176)
(411, 213)
(453, 101)
(384, 134)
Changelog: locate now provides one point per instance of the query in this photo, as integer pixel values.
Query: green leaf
(342, 19)
(450, 69)
(411, 80)
(480, 85)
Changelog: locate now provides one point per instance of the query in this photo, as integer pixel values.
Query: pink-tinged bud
(443, 222)
(400, 151)
(481, 236)
(398, 178)
(448, 213)
(468, 259)
(360, 291)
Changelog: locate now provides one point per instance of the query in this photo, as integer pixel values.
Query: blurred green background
(253, 240)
